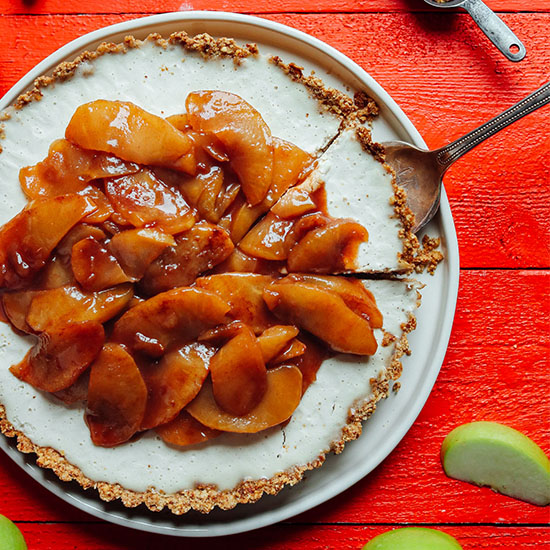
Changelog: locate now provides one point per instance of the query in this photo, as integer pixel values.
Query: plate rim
(452, 259)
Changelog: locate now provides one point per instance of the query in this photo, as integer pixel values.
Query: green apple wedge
(413, 538)
(10, 536)
(494, 455)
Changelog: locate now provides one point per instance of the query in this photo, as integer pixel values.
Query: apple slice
(142, 199)
(328, 249)
(28, 239)
(239, 379)
(324, 314)
(358, 298)
(16, 306)
(311, 360)
(94, 267)
(178, 315)
(494, 455)
(197, 250)
(413, 538)
(268, 239)
(61, 355)
(77, 233)
(244, 293)
(68, 169)
(242, 131)
(117, 397)
(11, 537)
(283, 394)
(173, 382)
(136, 249)
(185, 430)
(274, 340)
(127, 131)
(70, 303)
(293, 350)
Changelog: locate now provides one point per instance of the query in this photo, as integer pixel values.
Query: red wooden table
(448, 79)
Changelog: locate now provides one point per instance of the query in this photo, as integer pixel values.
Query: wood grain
(496, 364)
(92, 536)
(247, 6)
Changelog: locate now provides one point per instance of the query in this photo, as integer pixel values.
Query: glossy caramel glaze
(151, 262)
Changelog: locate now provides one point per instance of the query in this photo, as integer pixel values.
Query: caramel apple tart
(204, 272)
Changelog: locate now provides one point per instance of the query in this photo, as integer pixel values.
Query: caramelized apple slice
(178, 315)
(324, 314)
(299, 200)
(58, 272)
(239, 262)
(174, 381)
(185, 430)
(289, 162)
(27, 240)
(77, 233)
(294, 349)
(70, 303)
(117, 397)
(274, 340)
(244, 134)
(197, 250)
(104, 209)
(239, 379)
(143, 199)
(219, 191)
(244, 293)
(60, 356)
(284, 390)
(268, 239)
(16, 306)
(136, 249)
(328, 249)
(94, 267)
(127, 131)
(78, 391)
(353, 292)
(68, 169)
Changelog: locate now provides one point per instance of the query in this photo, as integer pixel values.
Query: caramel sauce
(169, 246)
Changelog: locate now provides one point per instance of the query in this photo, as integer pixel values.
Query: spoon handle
(450, 153)
(496, 30)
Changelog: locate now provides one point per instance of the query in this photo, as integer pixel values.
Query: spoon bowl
(420, 172)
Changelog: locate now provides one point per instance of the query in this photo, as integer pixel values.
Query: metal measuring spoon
(420, 172)
(496, 30)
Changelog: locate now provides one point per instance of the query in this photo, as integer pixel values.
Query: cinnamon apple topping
(180, 274)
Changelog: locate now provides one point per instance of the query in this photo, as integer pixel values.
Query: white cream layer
(360, 188)
(342, 383)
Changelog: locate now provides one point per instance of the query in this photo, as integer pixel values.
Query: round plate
(395, 415)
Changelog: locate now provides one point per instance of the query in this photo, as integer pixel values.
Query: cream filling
(343, 382)
(159, 80)
(359, 187)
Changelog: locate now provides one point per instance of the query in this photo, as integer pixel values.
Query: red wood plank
(248, 6)
(447, 79)
(289, 537)
(496, 369)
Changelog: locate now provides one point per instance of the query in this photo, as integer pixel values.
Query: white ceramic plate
(395, 415)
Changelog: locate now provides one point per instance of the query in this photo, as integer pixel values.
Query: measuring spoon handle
(448, 154)
(496, 30)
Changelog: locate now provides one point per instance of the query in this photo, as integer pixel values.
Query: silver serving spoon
(420, 172)
(495, 29)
